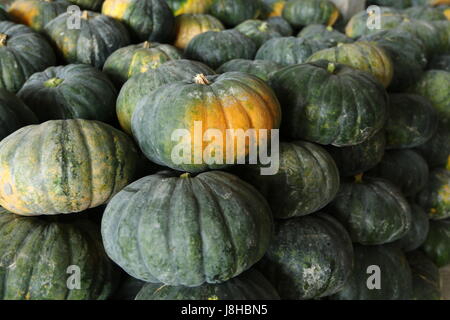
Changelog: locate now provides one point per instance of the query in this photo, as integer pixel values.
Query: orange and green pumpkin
(420, 226)
(189, 6)
(257, 30)
(437, 244)
(233, 12)
(94, 5)
(260, 68)
(324, 34)
(425, 276)
(63, 166)
(301, 13)
(435, 197)
(187, 26)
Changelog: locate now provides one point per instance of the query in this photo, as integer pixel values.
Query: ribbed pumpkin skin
(434, 198)
(440, 62)
(397, 4)
(141, 85)
(146, 19)
(25, 53)
(75, 91)
(396, 278)
(306, 181)
(233, 12)
(41, 252)
(343, 108)
(36, 13)
(187, 26)
(425, 276)
(412, 121)
(138, 58)
(63, 166)
(281, 25)
(373, 211)
(189, 6)
(425, 13)
(84, 46)
(214, 48)
(437, 150)
(361, 55)
(304, 12)
(289, 50)
(233, 100)
(443, 30)
(187, 230)
(310, 257)
(324, 34)
(257, 30)
(260, 68)
(420, 225)
(426, 32)
(14, 114)
(437, 245)
(250, 285)
(94, 5)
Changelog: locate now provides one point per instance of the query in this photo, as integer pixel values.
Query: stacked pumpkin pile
(90, 101)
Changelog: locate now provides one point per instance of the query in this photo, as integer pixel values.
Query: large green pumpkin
(40, 258)
(425, 13)
(437, 244)
(324, 34)
(281, 25)
(373, 211)
(138, 58)
(435, 197)
(257, 30)
(233, 12)
(141, 85)
(310, 257)
(260, 68)
(70, 92)
(186, 230)
(304, 12)
(22, 53)
(250, 285)
(427, 32)
(63, 166)
(214, 48)
(437, 150)
(329, 103)
(425, 277)
(81, 45)
(306, 181)
(94, 5)
(420, 226)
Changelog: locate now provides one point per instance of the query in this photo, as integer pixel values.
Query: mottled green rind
(260, 68)
(257, 30)
(398, 4)
(425, 277)
(420, 225)
(437, 150)
(233, 12)
(425, 13)
(437, 245)
(283, 27)
(435, 197)
(305, 12)
(427, 32)
(324, 34)
(94, 5)
(443, 29)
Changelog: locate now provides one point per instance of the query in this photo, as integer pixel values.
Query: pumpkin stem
(185, 175)
(329, 28)
(3, 38)
(331, 68)
(263, 27)
(201, 79)
(85, 15)
(53, 82)
(146, 45)
(359, 178)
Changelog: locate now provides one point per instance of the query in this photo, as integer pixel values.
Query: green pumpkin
(361, 157)
(158, 227)
(64, 166)
(427, 32)
(75, 91)
(435, 197)
(260, 68)
(83, 46)
(437, 244)
(420, 226)
(40, 258)
(310, 257)
(141, 85)
(22, 53)
(281, 25)
(373, 211)
(214, 48)
(425, 277)
(437, 150)
(329, 103)
(257, 30)
(324, 34)
(397, 4)
(234, 12)
(94, 5)
(305, 12)
(412, 121)
(440, 62)
(189, 25)
(138, 58)
(250, 285)
(128, 288)
(425, 13)
(394, 274)
(443, 29)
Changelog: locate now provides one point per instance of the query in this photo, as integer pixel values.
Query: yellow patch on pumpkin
(116, 8)
(24, 12)
(333, 17)
(277, 9)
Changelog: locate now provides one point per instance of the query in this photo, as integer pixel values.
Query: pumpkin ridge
(44, 187)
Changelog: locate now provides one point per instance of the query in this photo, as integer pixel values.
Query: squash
(427, 32)
(257, 30)
(435, 197)
(425, 13)
(250, 285)
(260, 68)
(397, 4)
(94, 5)
(40, 258)
(443, 32)
(138, 58)
(420, 226)
(158, 227)
(440, 62)
(141, 85)
(301, 13)
(214, 48)
(326, 103)
(275, 7)
(310, 257)
(83, 46)
(187, 26)
(324, 34)
(394, 274)
(233, 12)
(179, 7)
(412, 121)
(437, 150)
(430, 2)
(22, 53)
(281, 25)
(437, 244)
(306, 181)
(63, 166)
(230, 101)
(150, 20)
(425, 277)
(361, 55)
(37, 13)
(70, 92)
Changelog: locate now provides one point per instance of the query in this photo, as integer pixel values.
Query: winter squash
(94, 5)
(37, 13)
(257, 30)
(437, 150)
(443, 31)
(187, 26)
(397, 4)
(304, 12)
(427, 32)
(46, 254)
(309, 257)
(306, 181)
(275, 7)
(83, 46)
(281, 25)
(437, 244)
(189, 6)
(141, 85)
(425, 277)
(420, 225)
(250, 285)
(260, 68)
(230, 101)
(361, 55)
(233, 12)
(434, 198)
(75, 91)
(324, 34)
(63, 166)
(138, 58)
(440, 62)
(22, 53)
(425, 13)
(318, 107)
(214, 48)
(176, 217)
(146, 19)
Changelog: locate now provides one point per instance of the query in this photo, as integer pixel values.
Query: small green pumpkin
(437, 244)
(260, 68)
(234, 12)
(301, 13)
(257, 30)
(187, 26)
(420, 226)
(437, 150)
(324, 34)
(425, 277)
(94, 5)
(281, 25)
(440, 62)
(435, 197)
(425, 13)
